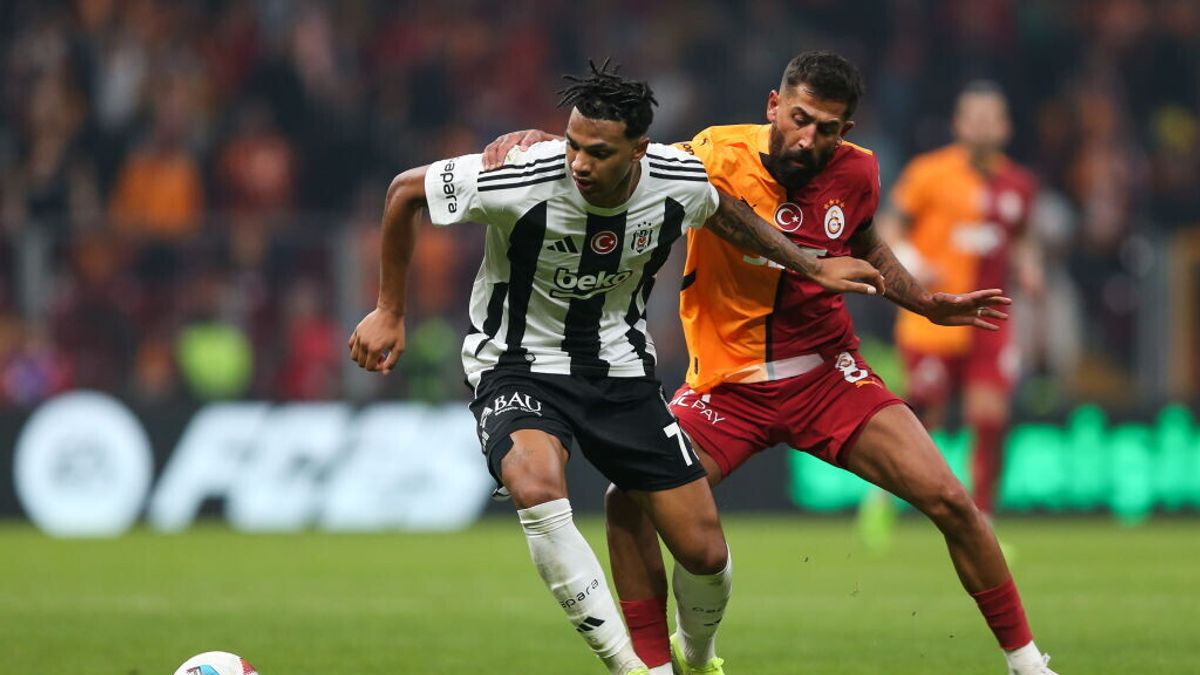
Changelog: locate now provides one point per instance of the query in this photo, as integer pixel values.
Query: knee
(706, 557)
(530, 479)
(530, 491)
(950, 507)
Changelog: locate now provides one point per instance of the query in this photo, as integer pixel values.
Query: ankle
(622, 662)
(1028, 654)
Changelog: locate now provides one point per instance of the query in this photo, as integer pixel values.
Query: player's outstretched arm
(496, 151)
(947, 309)
(738, 224)
(378, 340)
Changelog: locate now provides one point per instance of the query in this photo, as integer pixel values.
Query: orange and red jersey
(961, 222)
(747, 319)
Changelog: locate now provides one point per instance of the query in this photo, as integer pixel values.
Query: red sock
(986, 464)
(647, 622)
(1001, 608)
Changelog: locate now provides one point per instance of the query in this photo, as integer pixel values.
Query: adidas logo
(564, 245)
(589, 624)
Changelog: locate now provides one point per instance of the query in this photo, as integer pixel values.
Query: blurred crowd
(190, 189)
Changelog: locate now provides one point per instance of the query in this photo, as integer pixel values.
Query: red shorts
(991, 360)
(820, 412)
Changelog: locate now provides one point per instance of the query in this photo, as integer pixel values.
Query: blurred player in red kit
(958, 221)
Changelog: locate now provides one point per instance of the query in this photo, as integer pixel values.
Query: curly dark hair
(828, 75)
(604, 95)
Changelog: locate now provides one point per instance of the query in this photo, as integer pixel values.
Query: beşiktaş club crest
(835, 218)
(604, 242)
(640, 241)
(789, 217)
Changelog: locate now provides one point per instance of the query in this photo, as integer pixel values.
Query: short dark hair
(828, 75)
(982, 87)
(604, 95)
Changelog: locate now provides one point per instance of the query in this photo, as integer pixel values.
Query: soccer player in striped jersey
(558, 349)
(774, 357)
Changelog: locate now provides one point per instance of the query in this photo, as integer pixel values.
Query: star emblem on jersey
(835, 218)
(789, 217)
(604, 242)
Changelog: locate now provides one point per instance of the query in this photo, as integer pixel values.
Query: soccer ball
(216, 663)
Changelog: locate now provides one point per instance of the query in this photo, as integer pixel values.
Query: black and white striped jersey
(563, 284)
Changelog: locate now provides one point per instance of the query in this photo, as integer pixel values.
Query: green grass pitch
(808, 599)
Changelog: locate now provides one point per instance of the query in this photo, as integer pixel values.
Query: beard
(793, 169)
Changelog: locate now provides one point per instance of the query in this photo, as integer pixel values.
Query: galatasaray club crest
(835, 218)
(604, 242)
(789, 217)
(640, 240)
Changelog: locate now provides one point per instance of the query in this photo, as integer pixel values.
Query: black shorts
(623, 424)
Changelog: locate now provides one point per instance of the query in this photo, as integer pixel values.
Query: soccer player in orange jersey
(958, 221)
(774, 357)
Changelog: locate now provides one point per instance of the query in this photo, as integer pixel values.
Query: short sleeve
(706, 206)
(680, 161)
(718, 153)
(870, 197)
(700, 146)
(452, 190)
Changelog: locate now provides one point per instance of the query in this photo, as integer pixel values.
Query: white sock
(1021, 658)
(699, 607)
(572, 573)
(664, 669)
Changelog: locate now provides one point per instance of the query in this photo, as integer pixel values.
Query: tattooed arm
(738, 224)
(902, 289)
(947, 309)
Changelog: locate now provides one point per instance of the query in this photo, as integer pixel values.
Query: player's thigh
(534, 468)
(631, 436)
(894, 451)
(686, 518)
(824, 412)
(523, 423)
(714, 471)
(727, 426)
